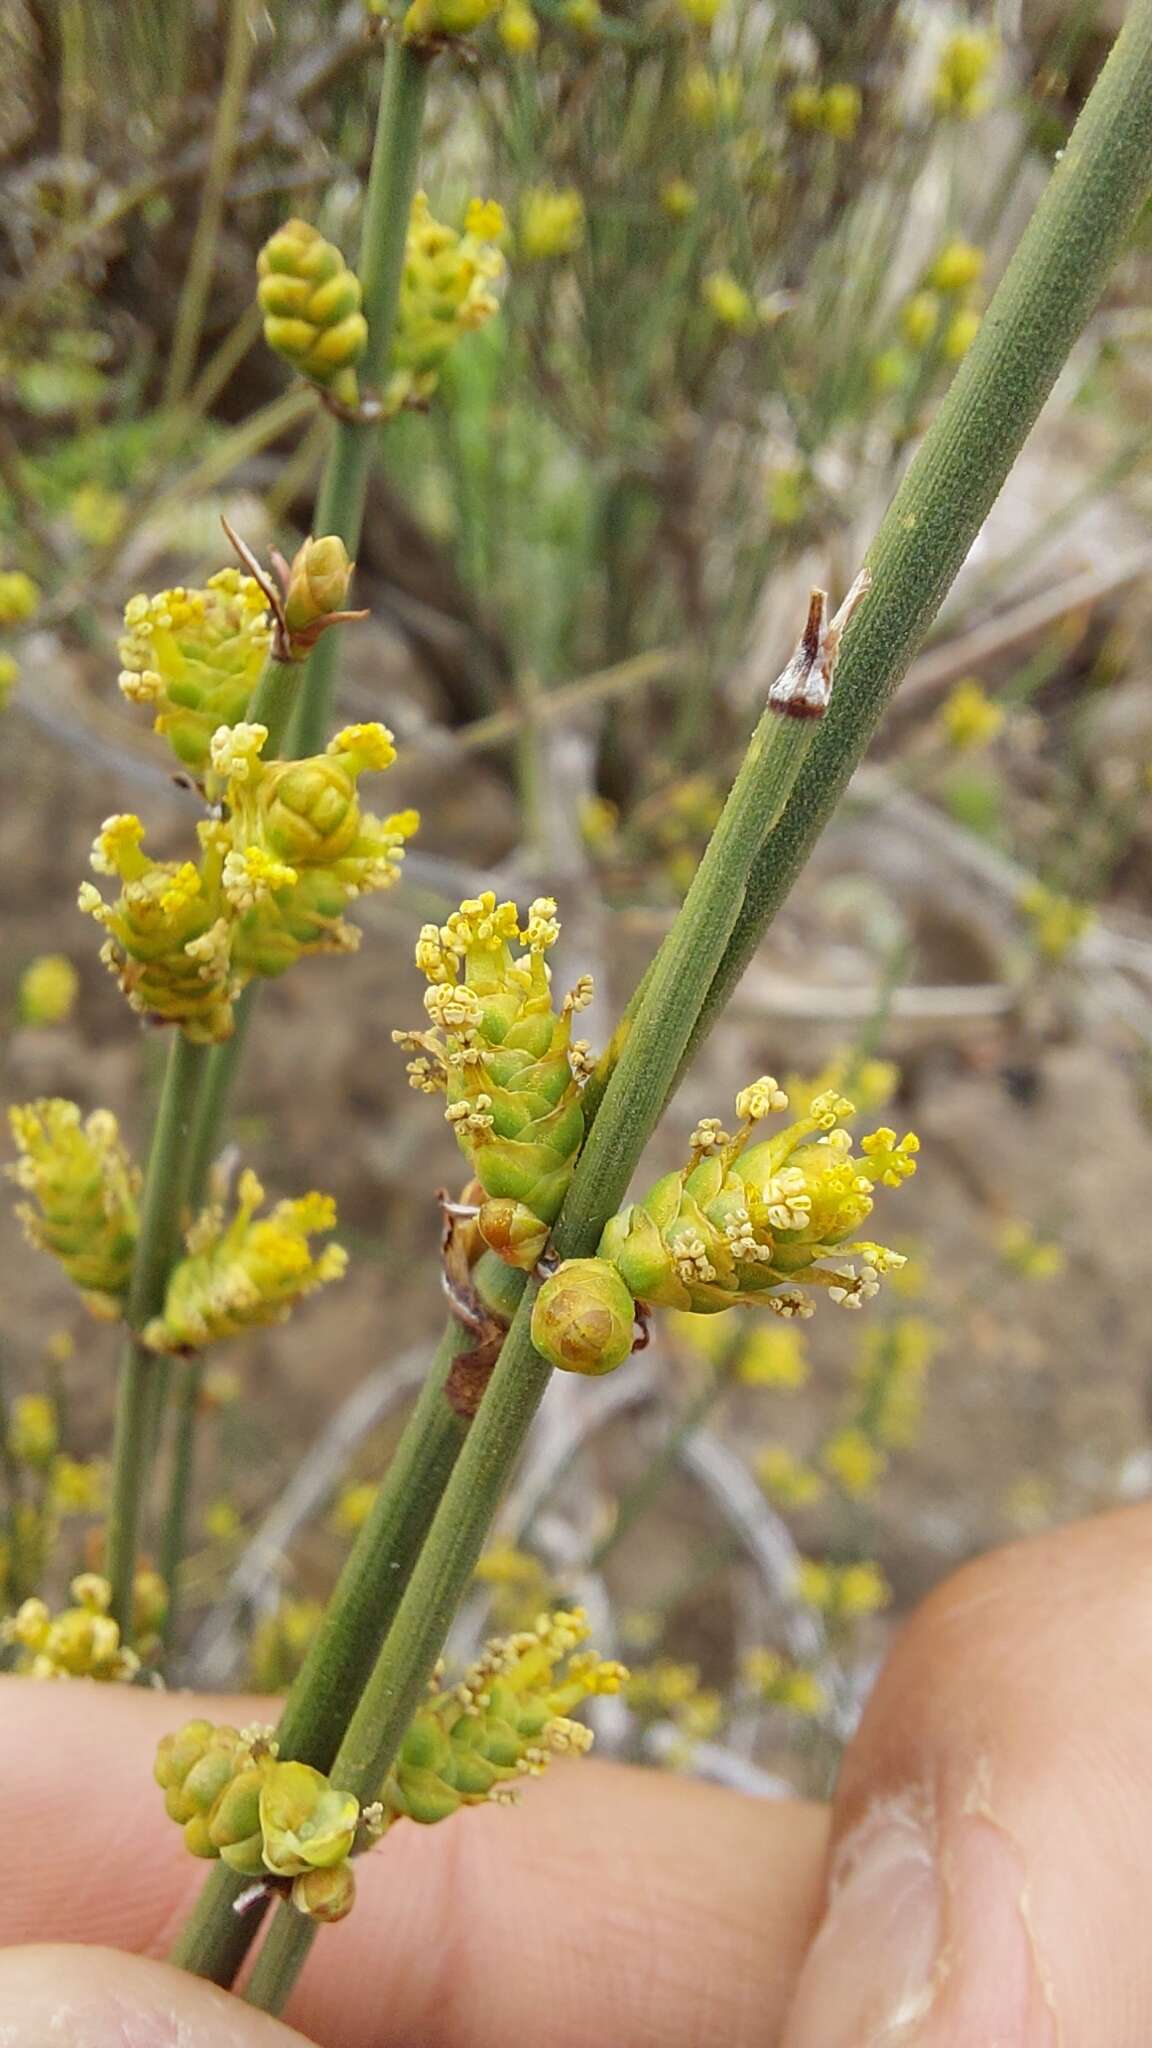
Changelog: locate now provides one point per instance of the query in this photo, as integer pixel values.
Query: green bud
(318, 582)
(234, 1824)
(583, 1319)
(325, 1895)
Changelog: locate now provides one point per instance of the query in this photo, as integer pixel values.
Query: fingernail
(871, 1975)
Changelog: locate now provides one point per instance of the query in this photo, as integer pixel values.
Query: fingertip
(60, 1997)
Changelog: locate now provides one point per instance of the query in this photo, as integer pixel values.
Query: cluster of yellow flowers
(239, 1272)
(446, 291)
(83, 1641)
(311, 300)
(1057, 921)
(84, 1188)
(842, 1593)
(509, 1714)
(280, 1822)
(276, 872)
(780, 1683)
(740, 1223)
(669, 1691)
(197, 655)
(245, 1270)
(518, 1584)
(507, 1062)
(291, 1828)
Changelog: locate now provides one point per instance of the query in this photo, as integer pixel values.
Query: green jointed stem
(165, 1193)
(321, 1699)
(274, 700)
(387, 207)
(1091, 204)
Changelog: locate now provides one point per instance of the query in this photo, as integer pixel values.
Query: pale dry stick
(1014, 628)
(193, 303)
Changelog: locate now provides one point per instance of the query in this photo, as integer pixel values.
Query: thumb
(96, 1998)
(987, 1880)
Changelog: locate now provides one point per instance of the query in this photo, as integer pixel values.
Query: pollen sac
(82, 1188)
(196, 656)
(503, 1056)
(583, 1319)
(246, 1270)
(310, 299)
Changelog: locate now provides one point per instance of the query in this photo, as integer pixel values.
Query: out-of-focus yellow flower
(47, 990)
(710, 98)
(836, 110)
(9, 675)
(668, 1691)
(1034, 1258)
(958, 265)
(353, 1506)
(245, 1271)
(960, 333)
(582, 15)
(773, 1357)
(787, 493)
(780, 1683)
(81, 1642)
(550, 223)
(889, 1378)
(786, 1479)
(446, 292)
(970, 718)
(519, 28)
(840, 109)
(19, 597)
(965, 62)
(222, 1523)
(678, 198)
(890, 371)
(96, 514)
(919, 318)
(33, 1430)
(281, 1642)
(520, 1585)
(78, 1486)
(447, 17)
(599, 818)
(701, 13)
(855, 1463)
(61, 1346)
(728, 301)
(1057, 921)
(842, 1592)
(873, 1082)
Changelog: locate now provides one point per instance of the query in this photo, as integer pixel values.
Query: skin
(986, 1861)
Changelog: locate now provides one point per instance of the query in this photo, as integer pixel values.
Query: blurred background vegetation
(746, 245)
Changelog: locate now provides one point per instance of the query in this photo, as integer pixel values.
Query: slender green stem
(274, 700)
(202, 255)
(165, 1189)
(174, 1533)
(387, 207)
(215, 1940)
